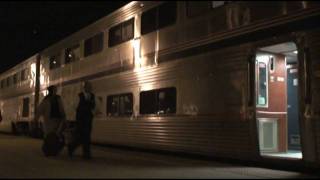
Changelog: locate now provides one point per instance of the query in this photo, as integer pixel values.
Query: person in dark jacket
(84, 116)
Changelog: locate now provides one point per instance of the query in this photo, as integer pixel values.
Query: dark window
(195, 8)
(55, 61)
(15, 78)
(160, 101)
(120, 105)
(2, 83)
(72, 54)
(8, 81)
(93, 45)
(148, 21)
(121, 33)
(23, 75)
(158, 17)
(25, 108)
(167, 14)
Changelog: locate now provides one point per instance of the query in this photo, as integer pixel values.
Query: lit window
(160, 101)
(262, 84)
(120, 105)
(72, 54)
(55, 61)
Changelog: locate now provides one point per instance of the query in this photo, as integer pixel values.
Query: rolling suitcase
(52, 145)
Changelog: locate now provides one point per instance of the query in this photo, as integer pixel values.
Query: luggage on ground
(52, 145)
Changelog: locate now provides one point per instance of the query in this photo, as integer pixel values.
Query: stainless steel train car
(17, 97)
(224, 79)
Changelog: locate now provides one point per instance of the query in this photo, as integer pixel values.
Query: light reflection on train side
(137, 56)
(44, 78)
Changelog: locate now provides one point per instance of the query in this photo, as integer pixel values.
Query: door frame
(307, 147)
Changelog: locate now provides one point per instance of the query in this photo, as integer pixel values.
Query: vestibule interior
(277, 100)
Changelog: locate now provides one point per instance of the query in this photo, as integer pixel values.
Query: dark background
(28, 27)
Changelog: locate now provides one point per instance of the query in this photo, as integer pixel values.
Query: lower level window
(120, 105)
(159, 101)
(25, 107)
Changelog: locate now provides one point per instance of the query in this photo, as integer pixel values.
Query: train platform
(21, 157)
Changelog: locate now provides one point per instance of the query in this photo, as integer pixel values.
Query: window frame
(209, 9)
(156, 102)
(111, 41)
(92, 41)
(258, 84)
(70, 49)
(157, 17)
(56, 57)
(130, 94)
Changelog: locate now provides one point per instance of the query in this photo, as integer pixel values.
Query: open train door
(279, 87)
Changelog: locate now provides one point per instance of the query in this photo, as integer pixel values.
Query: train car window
(120, 105)
(215, 4)
(115, 35)
(55, 61)
(272, 64)
(23, 75)
(93, 45)
(25, 107)
(8, 81)
(121, 33)
(167, 14)
(195, 8)
(158, 17)
(2, 83)
(262, 84)
(148, 21)
(72, 54)
(160, 101)
(15, 78)
(127, 30)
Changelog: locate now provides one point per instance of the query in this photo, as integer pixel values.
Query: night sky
(28, 27)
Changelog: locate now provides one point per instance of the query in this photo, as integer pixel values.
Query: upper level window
(120, 105)
(121, 33)
(8, 81)
(160, 101)
(195, 8)
(55, 61)
(2, 83)
(72, 54)
(23, 75)
(93, 45)
(15, 78)
(158, 17)
(215, 4)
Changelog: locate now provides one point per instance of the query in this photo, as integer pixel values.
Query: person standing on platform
(84, 116)
(52, 110)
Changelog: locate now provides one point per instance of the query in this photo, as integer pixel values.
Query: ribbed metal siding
(218, 133)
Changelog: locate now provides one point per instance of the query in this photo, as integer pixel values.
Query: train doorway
(277, 105)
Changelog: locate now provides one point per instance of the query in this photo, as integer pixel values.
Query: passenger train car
(236, 80)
